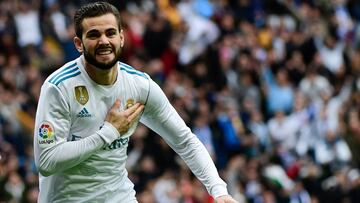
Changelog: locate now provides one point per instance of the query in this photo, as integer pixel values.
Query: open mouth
(104, 52)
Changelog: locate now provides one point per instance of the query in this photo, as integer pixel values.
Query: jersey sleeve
(52, 150)
(160, 116)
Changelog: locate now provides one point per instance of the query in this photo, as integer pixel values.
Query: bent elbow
(45, 173)
(44, 167)
(44, 170)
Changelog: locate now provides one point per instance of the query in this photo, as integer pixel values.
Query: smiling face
(101, 41)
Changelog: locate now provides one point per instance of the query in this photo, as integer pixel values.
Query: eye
(111, 33)
(92, 35)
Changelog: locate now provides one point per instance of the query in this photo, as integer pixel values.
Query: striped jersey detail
(131, 70)
(68, 72)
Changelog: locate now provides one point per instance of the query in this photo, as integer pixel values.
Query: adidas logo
(83, 113)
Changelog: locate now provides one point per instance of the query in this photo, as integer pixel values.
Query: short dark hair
(94, 10)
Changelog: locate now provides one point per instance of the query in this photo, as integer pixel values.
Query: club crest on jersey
(81, 94)
(46, 134)
(129, 103)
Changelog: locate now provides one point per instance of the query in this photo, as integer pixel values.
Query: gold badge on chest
(81, 94)
(129, 103)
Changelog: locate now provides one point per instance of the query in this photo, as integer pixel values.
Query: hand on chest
(92, 104)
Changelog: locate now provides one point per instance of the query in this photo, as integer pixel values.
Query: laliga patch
(46, 134)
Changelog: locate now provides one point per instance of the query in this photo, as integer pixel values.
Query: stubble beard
(91, 59)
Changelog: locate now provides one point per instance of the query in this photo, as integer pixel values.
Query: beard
(91, 58)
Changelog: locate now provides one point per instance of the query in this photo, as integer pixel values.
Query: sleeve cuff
(108, 133)
(219, 190)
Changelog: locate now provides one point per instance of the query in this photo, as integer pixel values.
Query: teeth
(104, 52)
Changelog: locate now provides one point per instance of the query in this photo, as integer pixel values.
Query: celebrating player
(89, 108)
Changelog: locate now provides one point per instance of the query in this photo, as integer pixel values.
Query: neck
(101, 77)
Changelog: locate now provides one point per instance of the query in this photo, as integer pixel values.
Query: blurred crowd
(270, 87)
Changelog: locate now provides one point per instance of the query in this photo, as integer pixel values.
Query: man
(89, 108)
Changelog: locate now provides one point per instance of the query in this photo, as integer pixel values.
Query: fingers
(116, 105)
(131, 112)
(136, 113)
(132, 109)
(225, 199)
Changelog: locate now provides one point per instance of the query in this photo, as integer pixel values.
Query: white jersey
(81, 158)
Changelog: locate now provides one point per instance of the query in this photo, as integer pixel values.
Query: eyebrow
(95, 31)
(111, 29)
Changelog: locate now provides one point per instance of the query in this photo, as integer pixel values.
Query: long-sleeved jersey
(81, 157)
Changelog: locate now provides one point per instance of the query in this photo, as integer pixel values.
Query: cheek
(89, 47)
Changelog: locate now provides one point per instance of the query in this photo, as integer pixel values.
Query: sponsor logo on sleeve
(46, 134)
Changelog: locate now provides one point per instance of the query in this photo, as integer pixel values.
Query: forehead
(100, 23)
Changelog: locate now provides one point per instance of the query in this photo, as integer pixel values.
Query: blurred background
(271, 87)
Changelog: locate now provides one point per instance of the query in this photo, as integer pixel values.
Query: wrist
(108, 133)
(218, 191)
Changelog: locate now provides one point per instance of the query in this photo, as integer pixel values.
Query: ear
(78, 44)
(122, 39)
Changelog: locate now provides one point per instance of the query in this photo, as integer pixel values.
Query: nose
(103, 39)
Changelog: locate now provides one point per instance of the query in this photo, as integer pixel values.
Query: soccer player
(89, 108)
